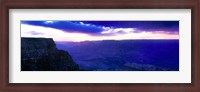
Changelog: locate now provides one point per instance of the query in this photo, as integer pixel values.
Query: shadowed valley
(124, 55)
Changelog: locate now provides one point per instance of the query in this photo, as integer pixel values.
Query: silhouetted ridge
(41, 54)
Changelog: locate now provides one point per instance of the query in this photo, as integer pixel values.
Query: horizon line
(97, 40)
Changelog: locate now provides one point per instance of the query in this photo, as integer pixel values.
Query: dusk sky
(77, 31)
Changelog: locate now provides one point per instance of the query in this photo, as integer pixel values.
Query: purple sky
(100, 30)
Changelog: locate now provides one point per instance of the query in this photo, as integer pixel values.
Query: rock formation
(41, 54)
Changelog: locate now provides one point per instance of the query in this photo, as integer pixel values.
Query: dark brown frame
(98, 4)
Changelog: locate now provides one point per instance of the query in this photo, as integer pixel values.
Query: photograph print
(63, 45)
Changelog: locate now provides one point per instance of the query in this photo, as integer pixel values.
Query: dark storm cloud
(67, 26)
(141, 25)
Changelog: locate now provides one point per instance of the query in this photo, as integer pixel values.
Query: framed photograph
(115, 45)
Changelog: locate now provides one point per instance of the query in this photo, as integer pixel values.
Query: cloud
(171, 26)
(118, 30)
(49, 22)
(46, 32)
(35, 33)
(61, 35)
(109, 27)
(67, 26)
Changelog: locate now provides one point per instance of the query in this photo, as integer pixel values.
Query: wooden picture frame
(99, 4)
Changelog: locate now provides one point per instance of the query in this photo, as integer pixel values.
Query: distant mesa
(41, 54)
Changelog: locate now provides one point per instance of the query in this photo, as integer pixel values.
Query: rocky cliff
(41, 54)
